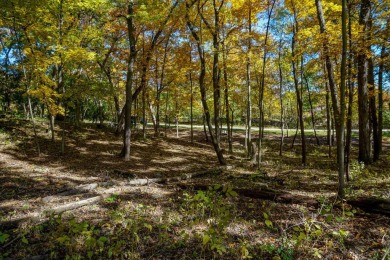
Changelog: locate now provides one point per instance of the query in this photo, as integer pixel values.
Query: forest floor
(221, 214)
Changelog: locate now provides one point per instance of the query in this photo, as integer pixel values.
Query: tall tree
(362, 60)
(337, 103)
(129, 79)
(201, 53)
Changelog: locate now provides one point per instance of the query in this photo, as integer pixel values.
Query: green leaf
(344, 233)
(302, 236)
(233, 193)
(148, 226)
(265, 215)
(24, 240)
(206, 239)
(103, 239)
(268, 223)
(318, 232)
(3, 237)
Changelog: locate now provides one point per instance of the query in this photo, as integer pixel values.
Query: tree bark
(248, 134)
(363, 108)
(227, 106)
(298, 94)
(380, 97)
(213, 137)
(262, 85)
(348, 138)
(281, 99)
(313, 123)
(373, 112)
(129, 81)
(338, 105)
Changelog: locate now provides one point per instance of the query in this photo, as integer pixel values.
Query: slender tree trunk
(213, 135)
(328, 121)
(166, 112)
(313, 123)
(363, 108)
(34, 126)
(281, 100)
(380, 97)
(261, 90)
(373, 114)
(299, 99)
(204, 128)
(51, 123)
(191, 105)
(348, 138)
(248, 134)
(144, 113)
(338, 108)
(129, 81)
(225, 79)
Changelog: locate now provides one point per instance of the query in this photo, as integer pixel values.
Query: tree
(338, 103)
(129, 79)
(201, 53)
(364, 128)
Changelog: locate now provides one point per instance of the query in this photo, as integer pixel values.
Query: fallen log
(44, 213)
(186, 176)
(76, 190)
(370, 205)
(47, 211)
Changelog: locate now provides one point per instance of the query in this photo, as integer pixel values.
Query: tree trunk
(248, 134)
(363, 108)
(213, 135)
(313, 123)
(373, 114)
(261, 90)
(348, 138)
(192, 105)
(338, 108)
(380, 97)
(129, 81)
(225, 78)
(281, 100)
(299, 99)
(328, 121)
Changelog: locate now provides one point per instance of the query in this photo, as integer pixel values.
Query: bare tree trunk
(373, 114)
(299, 99)
(51, 122)
(204, 128)
(144, 113)
(380, 97)
(261, 90)
(166, 112)
(364, 132)
(328, 121)
(338, 105)
(281, 99)
(229, 130)
(248, 134)
(213, 135)
(348, 138)
(192, 104)
(312, 112)
(34, 126)
(129, 81)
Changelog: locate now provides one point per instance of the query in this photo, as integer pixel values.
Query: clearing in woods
(173, 200)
